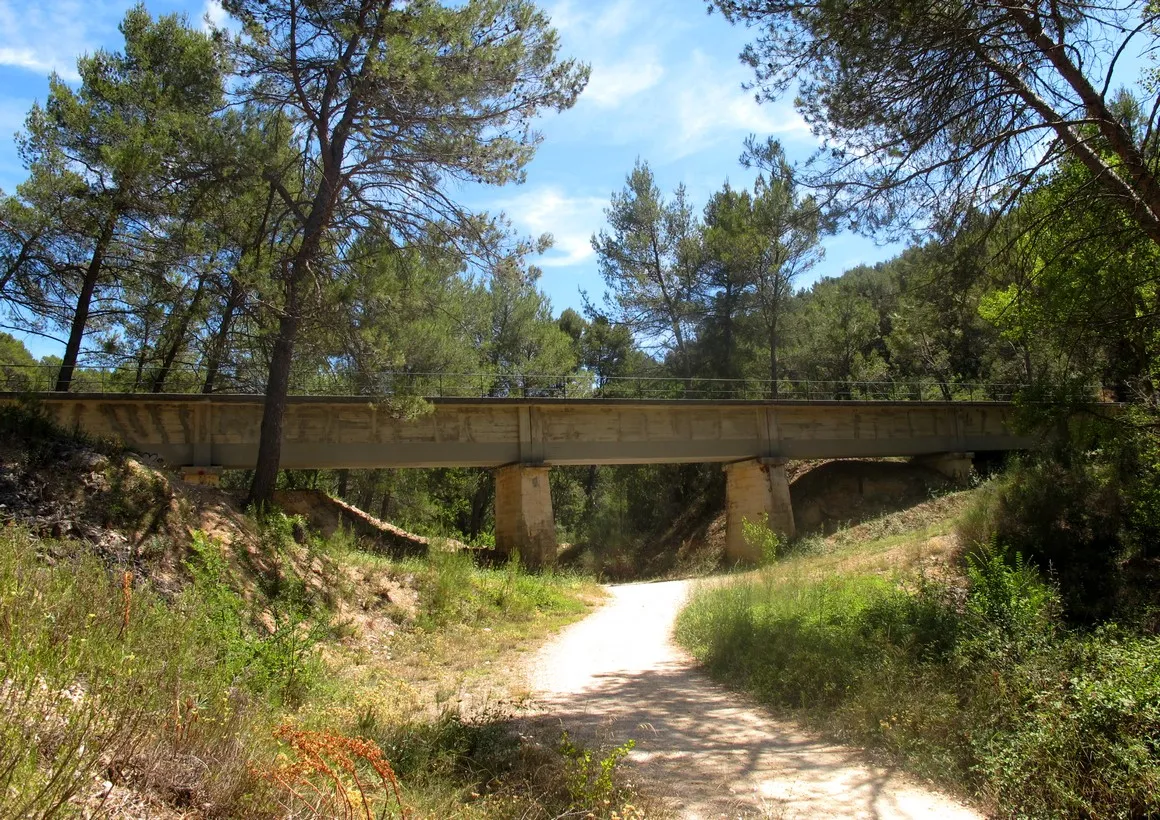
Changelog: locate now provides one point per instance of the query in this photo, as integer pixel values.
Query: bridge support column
(955, 466)
(756, 490)
(524, 523)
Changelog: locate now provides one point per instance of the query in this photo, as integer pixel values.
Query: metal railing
(38, 378)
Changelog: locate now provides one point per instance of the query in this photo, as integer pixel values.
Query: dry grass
(148, 656)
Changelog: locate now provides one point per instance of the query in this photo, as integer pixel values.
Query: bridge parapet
(396, 384)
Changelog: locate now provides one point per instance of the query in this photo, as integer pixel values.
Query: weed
(322, 777)
(86, 689)
(761, 538)
(590, 779)
(282, 663)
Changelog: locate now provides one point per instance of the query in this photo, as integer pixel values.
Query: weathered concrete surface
(524, 522)
(332, 433)
(757, 491)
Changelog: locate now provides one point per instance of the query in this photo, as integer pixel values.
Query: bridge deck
(354, 432)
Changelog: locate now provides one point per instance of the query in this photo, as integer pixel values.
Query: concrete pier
(524, 523)
(756, 490)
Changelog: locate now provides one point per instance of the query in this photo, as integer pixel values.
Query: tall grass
(992, 695)
(219, 697)
(185, 699)
(100, 679)
(454, 590)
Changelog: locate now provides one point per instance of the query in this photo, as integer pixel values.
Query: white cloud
(570, 219)
(711, 107)
(28, 59)
(667, 84)
(213, 16)
(50, 35)
(593, 23)
(613, 84)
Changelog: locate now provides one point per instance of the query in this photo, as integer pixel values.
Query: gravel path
(618, 675)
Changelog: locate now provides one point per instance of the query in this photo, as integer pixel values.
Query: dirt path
(618, 675)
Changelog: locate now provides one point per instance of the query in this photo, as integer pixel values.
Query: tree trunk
(343, 483)
(773, 368)
(218, 347)
(385, 507)
(589, 490)
(480, 503)
(366, 494)
(178, 337)
(299, 273)
(81, 317)
(273, 414)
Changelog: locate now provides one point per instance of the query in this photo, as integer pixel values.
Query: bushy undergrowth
(1067, 521)
(99, 677)
(992, 695)
(1087, 516)
(218, 700)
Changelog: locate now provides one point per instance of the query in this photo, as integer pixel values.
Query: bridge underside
(209, 433)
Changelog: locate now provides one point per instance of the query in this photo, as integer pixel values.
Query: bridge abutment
(524, 523)
(955, 466)
(756, 490)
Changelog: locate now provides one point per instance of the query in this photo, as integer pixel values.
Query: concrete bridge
(523, 438)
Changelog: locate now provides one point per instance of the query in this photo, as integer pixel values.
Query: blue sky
(666, 87)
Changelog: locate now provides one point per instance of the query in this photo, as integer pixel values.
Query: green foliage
(282, 664)
(1066, 520)
(590, 778)
(489, 766)
(98, 674)
(453, 590)
(761, 538)
(1008, 601)
(649, 261)
(990, 695)
(801, 643)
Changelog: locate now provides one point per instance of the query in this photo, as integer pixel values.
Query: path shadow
(750, 764)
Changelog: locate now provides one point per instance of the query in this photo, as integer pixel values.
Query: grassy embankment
(277, 676)
(962, 669)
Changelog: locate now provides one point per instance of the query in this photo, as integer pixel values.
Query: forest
(269, 213)
(276, 208)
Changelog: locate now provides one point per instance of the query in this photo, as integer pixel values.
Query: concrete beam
(353, 433)
(756, 490)
(524, 523)
(955, 466)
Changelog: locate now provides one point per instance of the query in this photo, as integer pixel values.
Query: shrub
(281, 664)
(453, 590)
(802, 643)
(1008, 604)
(761, 538)
(991, 695)
(1066, 521)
